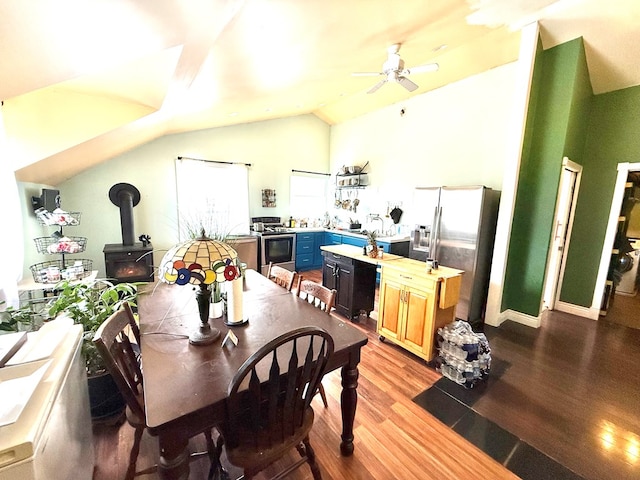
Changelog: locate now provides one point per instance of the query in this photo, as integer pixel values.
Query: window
(308, 195)
(213, 196)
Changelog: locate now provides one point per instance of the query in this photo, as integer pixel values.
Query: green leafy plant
(16, 319)
(371, 240)
(90, 304)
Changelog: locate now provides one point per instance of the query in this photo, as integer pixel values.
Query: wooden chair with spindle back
(281, 276)
(269, 403)
(113, 339)
(321, 297)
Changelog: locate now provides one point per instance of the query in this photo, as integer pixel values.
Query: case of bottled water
(464, 356)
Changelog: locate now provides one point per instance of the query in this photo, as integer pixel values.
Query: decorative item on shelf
(201, 262)
(371, 239)
(268, 197)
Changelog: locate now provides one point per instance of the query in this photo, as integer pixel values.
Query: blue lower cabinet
(320, 240)
(358, 242)
(308, 253)
(332, 238)
(304, 262)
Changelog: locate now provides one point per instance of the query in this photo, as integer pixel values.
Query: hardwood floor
(624, 310)
(569, 389)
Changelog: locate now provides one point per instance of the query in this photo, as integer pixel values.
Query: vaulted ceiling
(84, 81)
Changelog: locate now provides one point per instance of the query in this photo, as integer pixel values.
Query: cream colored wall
(273, 148)
(456, 135)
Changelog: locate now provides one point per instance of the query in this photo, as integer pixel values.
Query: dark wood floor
(569, 389)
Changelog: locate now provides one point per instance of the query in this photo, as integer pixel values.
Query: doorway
(563, 221)
(603, 293)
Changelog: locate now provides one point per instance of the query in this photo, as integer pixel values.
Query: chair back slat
(281, 276)
(117, 351)
(317, 295)
(272, 404)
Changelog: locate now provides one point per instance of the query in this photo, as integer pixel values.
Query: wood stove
(129, 261)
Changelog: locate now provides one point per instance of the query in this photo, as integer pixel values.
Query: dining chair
(113, 340)
(322, 298)
(281, 276)
(269, 403)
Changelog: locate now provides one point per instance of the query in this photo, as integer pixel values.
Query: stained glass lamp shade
(200, 262)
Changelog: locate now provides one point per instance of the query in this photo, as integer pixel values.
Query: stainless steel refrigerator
(456, 226)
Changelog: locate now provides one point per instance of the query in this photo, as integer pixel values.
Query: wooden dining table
(185, 386)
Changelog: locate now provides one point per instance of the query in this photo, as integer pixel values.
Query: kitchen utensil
(395, 215)
(258, 226)
(354, 169)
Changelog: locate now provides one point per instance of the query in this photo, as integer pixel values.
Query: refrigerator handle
(433, 233)
(436, 238)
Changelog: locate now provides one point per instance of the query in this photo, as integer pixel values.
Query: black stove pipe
(125, 197)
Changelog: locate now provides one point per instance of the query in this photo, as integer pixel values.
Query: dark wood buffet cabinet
(354, 282)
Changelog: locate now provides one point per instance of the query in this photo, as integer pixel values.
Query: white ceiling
(83, 81)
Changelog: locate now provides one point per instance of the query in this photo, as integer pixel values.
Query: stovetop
(271, 226)
(274, 231)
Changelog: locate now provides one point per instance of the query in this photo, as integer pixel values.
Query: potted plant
(89, 304)
(371, 240)
(16, 319)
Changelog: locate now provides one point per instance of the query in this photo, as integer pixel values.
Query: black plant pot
(105, 399)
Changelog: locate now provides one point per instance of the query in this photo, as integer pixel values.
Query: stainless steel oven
(276, 244)
(279, 248)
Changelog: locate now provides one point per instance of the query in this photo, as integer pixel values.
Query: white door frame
(563, 224)
(612, 228)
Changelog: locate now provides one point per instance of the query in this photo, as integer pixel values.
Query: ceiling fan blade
(377, 86)
(427, 67)
(406, 83)
(366, 74)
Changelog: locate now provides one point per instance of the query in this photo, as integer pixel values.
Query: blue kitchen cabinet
(305, 251)
(355, 241)
(308, 253)
(320, 240)
(332, 238)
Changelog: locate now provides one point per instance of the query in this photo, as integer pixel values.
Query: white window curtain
(308, 195)
(213, 196)
(11, 245)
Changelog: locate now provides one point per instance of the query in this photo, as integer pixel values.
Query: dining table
(185, 385)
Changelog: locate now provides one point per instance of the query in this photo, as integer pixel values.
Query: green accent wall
(612, 138)
(557, 126)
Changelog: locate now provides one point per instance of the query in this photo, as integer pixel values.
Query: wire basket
(58, 270)
(60, 219)
(60, 245)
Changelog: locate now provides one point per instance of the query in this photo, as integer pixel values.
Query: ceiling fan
(394, 71)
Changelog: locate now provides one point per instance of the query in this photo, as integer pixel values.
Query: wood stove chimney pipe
(125, 196)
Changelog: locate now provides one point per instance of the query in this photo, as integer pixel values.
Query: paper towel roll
(234, 301)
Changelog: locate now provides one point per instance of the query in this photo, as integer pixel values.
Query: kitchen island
(413, 303)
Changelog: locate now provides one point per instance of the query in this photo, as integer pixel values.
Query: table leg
(349, 400)
(174, 459)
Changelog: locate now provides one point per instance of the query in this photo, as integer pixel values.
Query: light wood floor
(571, 390)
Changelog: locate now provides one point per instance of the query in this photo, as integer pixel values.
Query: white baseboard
(519, 317)
(579, 310)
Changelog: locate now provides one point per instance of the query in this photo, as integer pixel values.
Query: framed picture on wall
(268, 198)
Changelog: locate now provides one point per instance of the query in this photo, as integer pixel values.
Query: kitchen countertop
(405, 264)
(385, 239)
